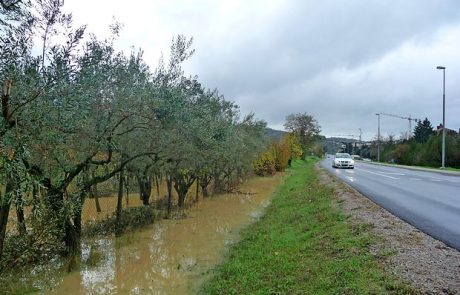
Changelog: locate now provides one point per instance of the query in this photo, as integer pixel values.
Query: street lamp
(443, 115)
(378, 139)
(360, 142)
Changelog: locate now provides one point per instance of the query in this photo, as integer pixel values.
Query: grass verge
(303, 245)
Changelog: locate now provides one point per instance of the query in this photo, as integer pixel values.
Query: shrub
(131, 218)
(266, 164)
(39, 244)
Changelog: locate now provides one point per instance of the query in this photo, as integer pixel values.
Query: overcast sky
(340, 61)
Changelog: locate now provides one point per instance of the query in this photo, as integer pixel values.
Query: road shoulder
(417, 258)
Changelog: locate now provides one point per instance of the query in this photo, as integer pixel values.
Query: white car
(343, 160)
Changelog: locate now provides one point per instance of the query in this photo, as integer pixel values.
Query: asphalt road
(429, 201)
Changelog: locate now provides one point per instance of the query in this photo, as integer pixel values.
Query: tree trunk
(77, 220)
(181, 193)
(71, 239)
(118, 229)
(127, 190)
(217, 189)
(204, 183)
(20, 216)
(197, 190)
(73, 230)
(54, 199)
(95, 193)
(157, 185)
(169, 189)
(182, 184)
(35, 200)
(4, 212)
(145, 187)
(229, 179)
(204, 190)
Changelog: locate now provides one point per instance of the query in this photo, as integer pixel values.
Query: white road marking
(414, 178)
(393, 173)
(436, 179)
(377, 173)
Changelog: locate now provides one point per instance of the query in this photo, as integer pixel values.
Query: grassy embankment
(303, 245)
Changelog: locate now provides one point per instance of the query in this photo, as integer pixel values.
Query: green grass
(303, 245)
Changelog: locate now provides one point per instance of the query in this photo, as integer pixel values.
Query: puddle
(170, 256)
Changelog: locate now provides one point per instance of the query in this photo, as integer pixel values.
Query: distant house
(449, 131)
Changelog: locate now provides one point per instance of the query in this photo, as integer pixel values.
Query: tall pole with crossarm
(443, 161)
(378, 139)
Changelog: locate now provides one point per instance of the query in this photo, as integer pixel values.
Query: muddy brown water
(170, 256)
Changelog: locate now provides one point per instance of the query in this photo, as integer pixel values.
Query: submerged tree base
(131, 219)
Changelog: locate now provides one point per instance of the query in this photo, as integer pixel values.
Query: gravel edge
(418, 259)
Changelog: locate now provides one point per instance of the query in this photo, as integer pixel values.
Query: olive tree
(26, 79)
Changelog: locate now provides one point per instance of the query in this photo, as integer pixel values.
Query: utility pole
(360, 142)
(443, 161)
(378, 138)
(410, 127)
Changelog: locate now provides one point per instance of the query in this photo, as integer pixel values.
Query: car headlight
(352, 162)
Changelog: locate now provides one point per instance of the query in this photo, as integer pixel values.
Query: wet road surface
(428, 200)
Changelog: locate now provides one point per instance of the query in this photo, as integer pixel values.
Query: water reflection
(171, 256)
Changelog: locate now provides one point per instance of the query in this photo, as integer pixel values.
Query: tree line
(422, 149)
(76, 112)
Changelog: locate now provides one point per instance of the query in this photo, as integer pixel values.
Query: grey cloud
(272, 68)
(306, 38)
(340, 60)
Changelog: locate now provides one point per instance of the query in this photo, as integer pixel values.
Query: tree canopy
(79, 113)
(305, 127)
(423, 130)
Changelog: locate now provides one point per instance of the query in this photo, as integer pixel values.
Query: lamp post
(378, 139)
(443, 161)
(360, 142)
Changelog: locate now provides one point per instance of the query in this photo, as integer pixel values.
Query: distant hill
(274, 134)
(341, 139)
(332, 145)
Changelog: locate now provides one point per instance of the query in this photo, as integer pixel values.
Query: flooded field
(171, 256)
